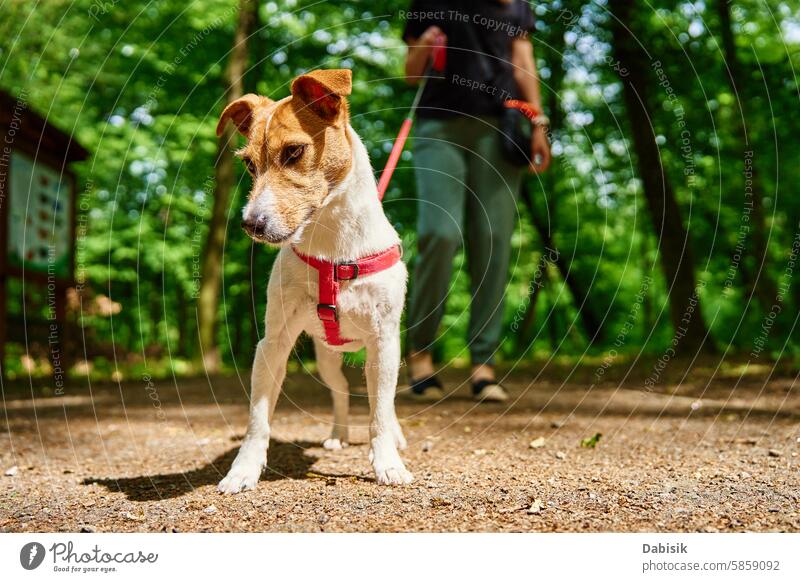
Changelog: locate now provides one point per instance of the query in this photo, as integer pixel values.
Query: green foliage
(141, 85)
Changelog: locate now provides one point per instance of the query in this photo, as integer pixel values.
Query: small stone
(323, 518)
(467, 429)
(557, 424)
(12, 471)
(87, 529)
(696, 405)
(479, 452)
(210, 509)
(561, 456)
(427, 446)
(536, 507)
(774, 453)
(132, 517)
(537, 443)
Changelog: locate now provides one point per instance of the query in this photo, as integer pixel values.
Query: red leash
(331, 273)
(437, 64)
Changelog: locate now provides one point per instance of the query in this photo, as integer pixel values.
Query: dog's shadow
(286, 460)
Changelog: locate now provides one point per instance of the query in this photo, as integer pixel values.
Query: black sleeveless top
(478, 76)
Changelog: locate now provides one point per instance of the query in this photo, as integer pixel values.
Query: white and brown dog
(338, 273)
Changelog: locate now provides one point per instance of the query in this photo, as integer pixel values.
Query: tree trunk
(211, 269)
(534, 292)
(580, 294)
(761, 284)
(181, 320)
(674, 247)
(551, 318)
(554, 55)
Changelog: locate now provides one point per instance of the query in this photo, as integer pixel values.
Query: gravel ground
(699, 456)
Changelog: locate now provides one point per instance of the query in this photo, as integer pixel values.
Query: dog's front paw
(398, 475)
(334, 444)
(388, 466)
(240, 478)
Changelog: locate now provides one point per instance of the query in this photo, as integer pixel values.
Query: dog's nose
(255, 226)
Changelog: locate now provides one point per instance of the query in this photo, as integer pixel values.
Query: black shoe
(426, 389)
(488, 391)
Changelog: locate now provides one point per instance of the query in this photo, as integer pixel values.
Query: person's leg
(491, 218)
(440, 169)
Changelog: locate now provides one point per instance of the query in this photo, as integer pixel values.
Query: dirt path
(120, 460)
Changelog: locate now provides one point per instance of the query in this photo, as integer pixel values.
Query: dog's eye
(250, 165)
(292, 153)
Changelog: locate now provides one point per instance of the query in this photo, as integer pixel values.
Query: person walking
(466, 183)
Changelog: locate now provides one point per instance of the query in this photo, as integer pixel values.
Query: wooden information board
(37, 219)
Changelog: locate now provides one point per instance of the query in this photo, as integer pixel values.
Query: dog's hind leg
(329, 364)
(383, 364)
(269, 371)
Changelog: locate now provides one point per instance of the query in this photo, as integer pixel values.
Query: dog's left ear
(240, 112)
(324, 91)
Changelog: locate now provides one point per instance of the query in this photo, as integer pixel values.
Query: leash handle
(439, 55)
(533, 114)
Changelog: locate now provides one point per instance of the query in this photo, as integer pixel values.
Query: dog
(314, 195)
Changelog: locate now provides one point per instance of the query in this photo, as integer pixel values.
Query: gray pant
(467, 193)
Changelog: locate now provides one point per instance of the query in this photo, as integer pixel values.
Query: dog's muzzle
(260, 229)
(256, 227)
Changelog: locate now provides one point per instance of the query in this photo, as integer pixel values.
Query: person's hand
(431, 36)
(420, 51)
(540, 150)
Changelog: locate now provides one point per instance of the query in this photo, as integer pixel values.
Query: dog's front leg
(382, 367)
(269, 371)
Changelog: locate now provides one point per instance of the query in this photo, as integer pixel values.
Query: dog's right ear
(240, 112)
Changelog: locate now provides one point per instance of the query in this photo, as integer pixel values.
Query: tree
(760, 283)
(552, 51)
(225, 174)
(675, 251)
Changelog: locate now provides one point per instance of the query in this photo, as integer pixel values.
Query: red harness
(331, 273)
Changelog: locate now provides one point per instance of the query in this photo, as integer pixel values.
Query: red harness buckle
(331, 273)
(327, 312)
(345, 271)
